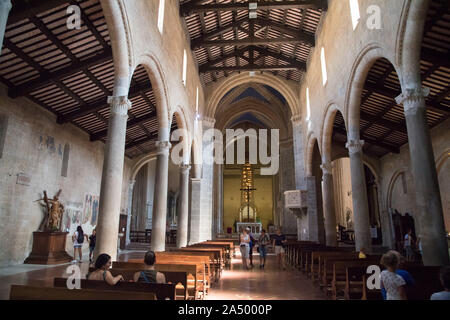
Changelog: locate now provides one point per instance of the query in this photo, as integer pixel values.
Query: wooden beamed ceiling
(71, 72)
(225, 39)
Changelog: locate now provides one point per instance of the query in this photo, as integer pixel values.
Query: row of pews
(342, 275)
(190, 272)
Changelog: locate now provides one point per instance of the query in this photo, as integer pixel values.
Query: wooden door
(123, 230)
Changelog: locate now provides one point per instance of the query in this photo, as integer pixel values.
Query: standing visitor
(250, 247)
(78, 239)
(263, 241)
(409, 243)
(278, 242)
(390, 280)
(244, 247)
(92, 239)
(445, 281)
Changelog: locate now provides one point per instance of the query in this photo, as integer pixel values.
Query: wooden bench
(48, 293)
(218, 253)
(225, 254)
(315, 262)
(229, 245)
(163, 291)
(180, 279)
(191, 269)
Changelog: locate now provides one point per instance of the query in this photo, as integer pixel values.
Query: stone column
(300, 172)
(183, 207)
(195, 215)
(130, 206)
(5, 8)
(112, 176)
(328, 204)
(312, 223)
(158, 242)
(219, 198)
(359, 194)
(428, 199)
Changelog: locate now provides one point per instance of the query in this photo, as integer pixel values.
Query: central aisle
(269, 283)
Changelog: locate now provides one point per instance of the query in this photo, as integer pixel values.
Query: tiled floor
(270, 283)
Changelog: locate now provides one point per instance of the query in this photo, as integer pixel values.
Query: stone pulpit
(296, 201)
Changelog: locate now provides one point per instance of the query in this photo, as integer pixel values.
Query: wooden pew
(218, 253)
(48, 293)
(226, 258)
(180, 279)
(316, 255)
(163, 291)
(191, 268)
(164, 258)
(229, 245)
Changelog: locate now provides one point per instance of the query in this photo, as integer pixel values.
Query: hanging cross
(247, 190)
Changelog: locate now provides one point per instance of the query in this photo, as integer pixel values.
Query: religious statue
(54, 212)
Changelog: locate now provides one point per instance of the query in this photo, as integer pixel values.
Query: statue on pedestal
(54, 212)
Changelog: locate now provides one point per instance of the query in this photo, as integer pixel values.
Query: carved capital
(119, 105)
(327, 168)
(413, 98)
(296, 119)
(208, 122)
(132, 182)
(354, 146)
(163, 147)
(184, 168)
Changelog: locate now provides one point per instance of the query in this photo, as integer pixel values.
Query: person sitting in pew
(149, 274)
(401, 272)
(390, 281)
(445, 281)
(102, 264)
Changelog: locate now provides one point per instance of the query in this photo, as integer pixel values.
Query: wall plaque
(23, 179)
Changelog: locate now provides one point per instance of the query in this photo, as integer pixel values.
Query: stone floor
(269, 283)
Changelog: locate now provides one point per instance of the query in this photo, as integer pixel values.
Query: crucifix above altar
(247, 211)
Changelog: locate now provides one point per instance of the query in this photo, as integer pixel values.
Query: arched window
(161, 15)
(65, 163)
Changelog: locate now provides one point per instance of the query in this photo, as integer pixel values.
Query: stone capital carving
(119, 105)
(327, 168)
(296, 119)
(413, 98)
(184, 168)
(208, 122)
(163, 147)
(6, 4)
(354, 146)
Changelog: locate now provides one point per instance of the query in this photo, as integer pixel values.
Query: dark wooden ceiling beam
(250, 67)
(47, 77)
(397, 126)
(373, 141)
(190, 8)
(265, 52)
(30, 8)
(301, 38)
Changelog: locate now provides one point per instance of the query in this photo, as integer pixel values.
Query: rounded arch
(159, 86)
(183, 124)
(118, 28)
(355, 85)
(225, 85)
(327, 130)
(312, 140)
(140, 162)
(268, 116)
(442, 159)
(391, 185)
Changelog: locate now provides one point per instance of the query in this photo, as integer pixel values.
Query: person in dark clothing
(149, 274)
(101, 272)
(278, 243)
(92, 240)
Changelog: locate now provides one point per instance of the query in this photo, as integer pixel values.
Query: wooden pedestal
(49, 248)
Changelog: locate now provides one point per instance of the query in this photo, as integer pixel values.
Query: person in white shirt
(390, 280)
(409, 242)
(245, 247)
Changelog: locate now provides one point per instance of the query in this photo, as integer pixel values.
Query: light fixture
(252, 15)
(252, 73)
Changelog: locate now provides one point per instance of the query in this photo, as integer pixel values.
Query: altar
(255, 228)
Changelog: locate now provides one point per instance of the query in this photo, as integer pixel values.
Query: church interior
(183, 126)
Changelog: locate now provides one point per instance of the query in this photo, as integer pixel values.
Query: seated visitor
(390, 280)
(402, 273)
(102, 264)
(149, 274)
(445, 281)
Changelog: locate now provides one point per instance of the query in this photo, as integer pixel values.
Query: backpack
(80, 237)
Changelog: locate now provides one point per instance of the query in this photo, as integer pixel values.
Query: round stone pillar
(183, 207)
(428, 199)
(359, 195)
(112, 178)
(5, 8)
(158, 242)
(130, 207)
(328, 204)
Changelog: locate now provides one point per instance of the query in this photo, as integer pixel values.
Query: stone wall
(34, 148)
